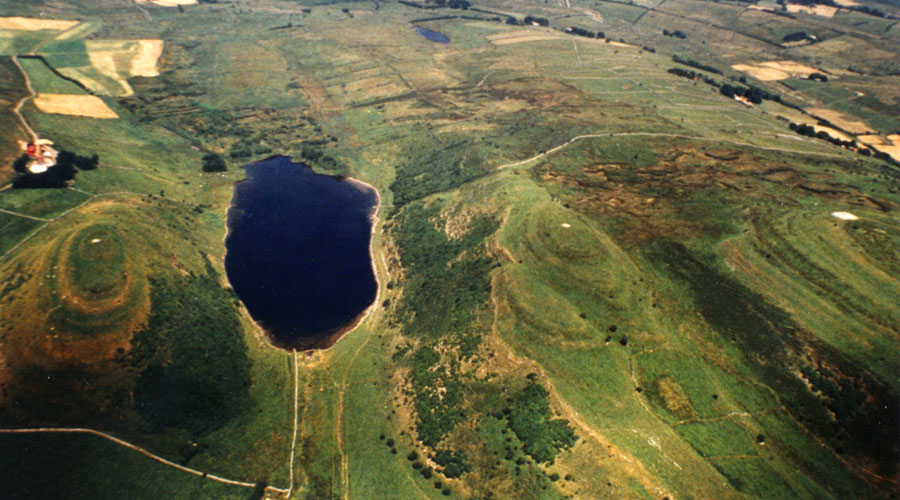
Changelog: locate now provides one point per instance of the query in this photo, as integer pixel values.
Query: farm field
(623, 250)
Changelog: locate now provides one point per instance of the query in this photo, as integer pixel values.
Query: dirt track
(23, 100)
(142, 451)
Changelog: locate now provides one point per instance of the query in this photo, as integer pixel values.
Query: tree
(20, 165)
(213, 162)
(727, 90)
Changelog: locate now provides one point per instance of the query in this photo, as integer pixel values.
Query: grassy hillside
(597, 278)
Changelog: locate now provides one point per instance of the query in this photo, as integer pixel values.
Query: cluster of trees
(213, 162)
(796, 36)
(438, 4)
(810, 131)
(57, 176)
(575, 30)
(819, 77)
(313, 155)
(431, 172)
(693, 75)
(845, 396)
(540, 21)
(676, 34)
(442, 293)
(867, 10)
(812, 2)
(528, 416)
(454, 463)
(752, 94)
(248, 147)
(418, 5)
(458, 4)
(695, 64)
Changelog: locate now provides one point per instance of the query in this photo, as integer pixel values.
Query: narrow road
(144, 11)
(656, 134)
(142, 451)
(17, 214)
(281, 491)
(294, 437)
(22, 101)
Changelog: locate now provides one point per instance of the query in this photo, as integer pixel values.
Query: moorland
(625, 249)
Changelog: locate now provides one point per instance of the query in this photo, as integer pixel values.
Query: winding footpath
(16, 110)
(656, 134)
(284, 492)
(142, 451)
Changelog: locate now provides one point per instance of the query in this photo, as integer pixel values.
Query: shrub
(213, 162)
(530, 419)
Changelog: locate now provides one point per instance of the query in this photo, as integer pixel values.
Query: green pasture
(86, 466)
(43, 79)
(693, 332)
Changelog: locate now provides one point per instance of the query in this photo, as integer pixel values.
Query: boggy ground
(667, 313)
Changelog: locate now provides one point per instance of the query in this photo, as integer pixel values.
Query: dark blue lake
(297, 251)
(434, 36)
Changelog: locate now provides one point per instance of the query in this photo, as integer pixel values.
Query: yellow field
(118, 60)
(775, 70)
(843, 121)
(832, 132)
(76, 105)
(31, 24)
(889, 144)
(593, 14)
(82, 30)
(816, 10)
(102, 55)
(168, 3)
(521, 36)
(144, 61)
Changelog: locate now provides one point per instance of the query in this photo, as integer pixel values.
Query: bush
(57, 176)
(454, 463)
(530, 419)
(213, 162)
(435, 271)
(239, 153)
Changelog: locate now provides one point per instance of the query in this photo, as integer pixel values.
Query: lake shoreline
(328, 340)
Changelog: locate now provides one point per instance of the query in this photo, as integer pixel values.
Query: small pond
(434, 36)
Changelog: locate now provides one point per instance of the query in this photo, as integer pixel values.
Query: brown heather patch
(543, 93)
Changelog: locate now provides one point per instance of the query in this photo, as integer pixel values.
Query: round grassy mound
(97, 263)
(96, 284)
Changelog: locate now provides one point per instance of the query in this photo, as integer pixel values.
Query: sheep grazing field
(622, 250)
